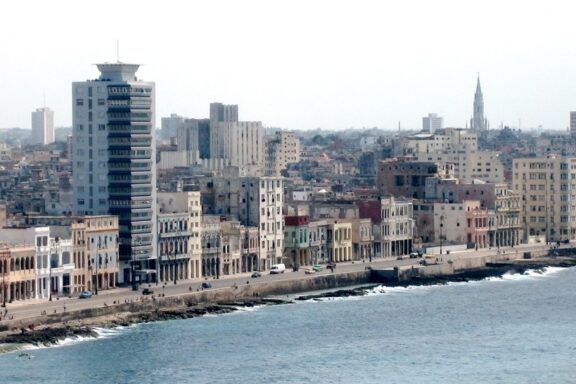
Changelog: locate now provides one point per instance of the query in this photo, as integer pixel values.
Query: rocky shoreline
(46, 335)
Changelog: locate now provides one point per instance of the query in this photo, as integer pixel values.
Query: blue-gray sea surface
(520, 329)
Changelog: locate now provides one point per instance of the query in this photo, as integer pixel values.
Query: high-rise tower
(43, 126)
(114, 168)
(478, 121)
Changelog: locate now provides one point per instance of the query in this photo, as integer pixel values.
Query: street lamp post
(3, 265)
(441, 227)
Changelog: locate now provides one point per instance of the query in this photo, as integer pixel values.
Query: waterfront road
(35, 308)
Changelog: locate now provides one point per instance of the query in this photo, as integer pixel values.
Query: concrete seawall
(208, 296)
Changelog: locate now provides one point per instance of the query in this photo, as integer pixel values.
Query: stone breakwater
(50, 329)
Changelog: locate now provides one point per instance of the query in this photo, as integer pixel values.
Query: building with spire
(478, 122)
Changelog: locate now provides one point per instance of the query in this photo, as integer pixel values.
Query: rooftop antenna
(118, 50)
(44, 99)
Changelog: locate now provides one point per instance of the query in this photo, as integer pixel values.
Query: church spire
(478, 121)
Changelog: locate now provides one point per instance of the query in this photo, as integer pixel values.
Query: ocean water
(518, 329)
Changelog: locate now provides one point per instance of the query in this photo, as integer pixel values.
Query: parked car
(86, 295)
(256, 274)
(317, 267)
(206, 284)
(277, 268)
(414, 255)
(147, 291)
(310, 271)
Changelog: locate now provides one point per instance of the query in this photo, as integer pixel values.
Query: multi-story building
(281, 150)
(396, 228)
(339, 240)
(179, 241)
(504, 221)
(362, 239)
(18, 273)
(461, 223)
(573, 123)
(296, 241)
(432, 122)
(114, 162)
(255, 202)
(404, 177)
(318, 230)
(95, 253)
(211, 240)
(547, 186)
(458, 147)
(236, 143)
(43, 126)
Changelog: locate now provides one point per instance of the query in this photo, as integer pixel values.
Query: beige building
(17, 270)
(95, 253)
(458, 147)
(548, 189)
(461, 223)
(280, 150)
(339, 240)
(362, 239)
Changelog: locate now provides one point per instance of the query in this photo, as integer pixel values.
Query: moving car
(414, 255)
(206, 284)
(147, 291)
(256, 274)
(310, 271)
(85, 295)
(316, 267)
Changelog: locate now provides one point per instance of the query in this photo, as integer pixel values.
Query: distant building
(573, 123)
(43, 126)
(404, 177)
(280, 150)
(478, 122)
(432, 122)
(236, 143)
(170, 125)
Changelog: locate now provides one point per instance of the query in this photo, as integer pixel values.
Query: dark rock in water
(48, 336)
(360, 291)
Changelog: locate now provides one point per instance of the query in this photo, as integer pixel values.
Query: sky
(301, 64)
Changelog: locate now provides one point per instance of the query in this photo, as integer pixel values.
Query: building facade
(43, 126)
(114, 159)
(432, 122)
(547, 186)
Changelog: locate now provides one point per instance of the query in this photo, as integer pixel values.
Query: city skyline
(302, 66)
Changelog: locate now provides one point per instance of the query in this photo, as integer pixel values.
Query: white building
(432, 123)
(179, 236)
(396, 228)
(458, 147)
(238, 143)
(43, 126)
(114, 159)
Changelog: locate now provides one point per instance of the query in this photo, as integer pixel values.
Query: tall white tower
(114, 167)
(478, 121)
(43, 126)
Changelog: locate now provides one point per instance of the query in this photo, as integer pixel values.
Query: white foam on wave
(531, 274)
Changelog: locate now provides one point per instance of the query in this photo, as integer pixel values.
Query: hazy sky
(301, 64)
